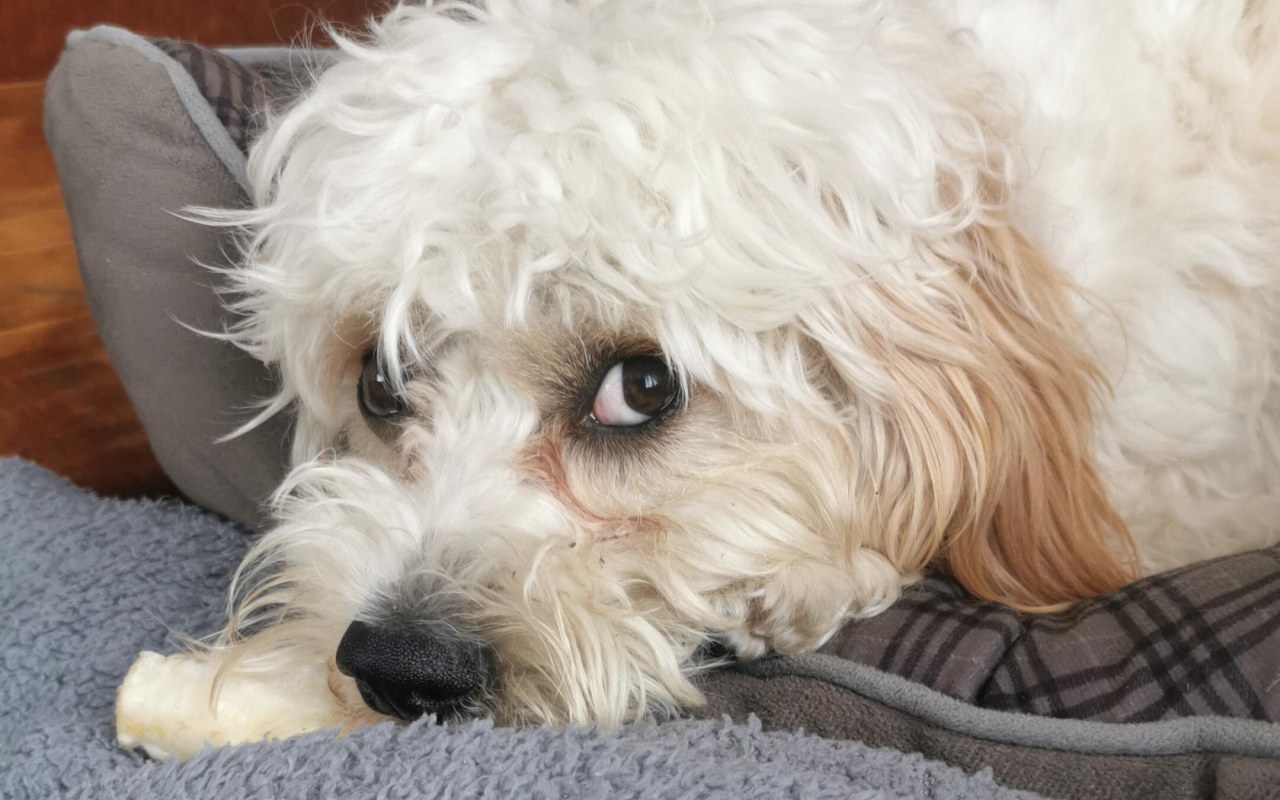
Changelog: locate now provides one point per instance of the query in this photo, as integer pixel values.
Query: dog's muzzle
(414, 673)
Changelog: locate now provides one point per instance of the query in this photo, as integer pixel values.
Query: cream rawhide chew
(163, 706)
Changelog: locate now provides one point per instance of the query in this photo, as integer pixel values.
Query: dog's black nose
(409, 674)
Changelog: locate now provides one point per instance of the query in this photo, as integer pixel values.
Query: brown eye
(633, 392)
(375, 396)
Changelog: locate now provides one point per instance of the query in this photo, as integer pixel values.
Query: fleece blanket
(86, 583)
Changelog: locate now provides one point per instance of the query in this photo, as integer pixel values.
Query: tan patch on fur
(1053, 537)
(988, 465)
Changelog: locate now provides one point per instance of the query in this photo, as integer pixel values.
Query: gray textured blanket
(86, 583)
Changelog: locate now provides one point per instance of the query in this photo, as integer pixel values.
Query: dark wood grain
(64, 408)
(32, 32)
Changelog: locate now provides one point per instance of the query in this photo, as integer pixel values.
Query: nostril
(412, 673)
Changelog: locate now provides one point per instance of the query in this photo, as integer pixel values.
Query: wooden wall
(32, 31)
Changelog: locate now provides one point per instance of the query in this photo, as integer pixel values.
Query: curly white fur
(985, 284)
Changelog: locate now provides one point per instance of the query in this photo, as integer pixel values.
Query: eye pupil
(647, 384)
(375, 396)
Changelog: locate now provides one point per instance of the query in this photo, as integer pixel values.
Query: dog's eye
(633, 392)
(375, 396)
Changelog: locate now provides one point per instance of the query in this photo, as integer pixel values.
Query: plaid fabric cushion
(1203, 640)
(235, 92)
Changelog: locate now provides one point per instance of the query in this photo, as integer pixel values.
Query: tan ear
(1053, 536)
(978, 449)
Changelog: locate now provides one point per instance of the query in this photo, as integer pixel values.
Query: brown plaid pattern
(234, 91)
(1203, 640)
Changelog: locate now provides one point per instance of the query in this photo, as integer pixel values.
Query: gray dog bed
(1189, 661)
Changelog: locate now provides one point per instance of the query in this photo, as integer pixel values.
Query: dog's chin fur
(989, 286)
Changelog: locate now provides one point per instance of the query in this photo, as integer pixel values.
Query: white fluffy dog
(617, 326)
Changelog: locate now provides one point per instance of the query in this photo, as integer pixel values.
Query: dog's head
(617, 326)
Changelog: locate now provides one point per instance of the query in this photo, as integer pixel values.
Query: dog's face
(569, 512)
(614, 328)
